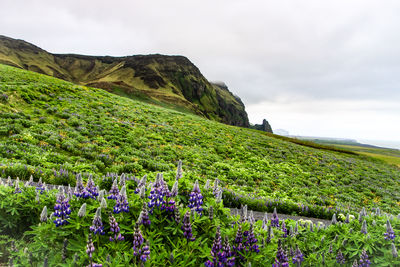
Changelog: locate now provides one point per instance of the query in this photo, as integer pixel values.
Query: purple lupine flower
(17, 190)
(145, 252)
(39, 186)
(217, 244)
(144, 216)
(141, 252)
(61, 210)
(196, 199)
(270, 234)
(275, 219)
(395, 254)
(179, 172)
(265, 221)
(158, 194)
(137, 241)
(298, 257)
(340, 258)
(389, 235)
(141, 184)
(114, 228)
(174, 190)
(284, 230)
(251, 241)
(89, 251)
(114, 191)
(364, 261)
(122, 202)
(281, 259)
(215, 188)
(97, 225)
(364, 228)
(187, 228)
(80, 190)
(91, 188)
(238, 246)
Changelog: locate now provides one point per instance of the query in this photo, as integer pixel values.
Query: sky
(312, 67)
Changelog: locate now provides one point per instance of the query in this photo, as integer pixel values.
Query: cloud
(301, 52)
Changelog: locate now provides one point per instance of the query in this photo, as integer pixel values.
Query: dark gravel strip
(260, 215)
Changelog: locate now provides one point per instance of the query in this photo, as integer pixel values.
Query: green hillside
(172, 81)
(53, 130)
(48, 125)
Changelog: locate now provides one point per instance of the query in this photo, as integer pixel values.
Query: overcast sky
(315, 68)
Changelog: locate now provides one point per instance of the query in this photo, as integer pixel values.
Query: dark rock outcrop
(265, 126)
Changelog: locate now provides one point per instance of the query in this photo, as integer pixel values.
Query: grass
(48, 126)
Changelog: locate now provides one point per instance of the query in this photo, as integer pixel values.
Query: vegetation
(65, 134)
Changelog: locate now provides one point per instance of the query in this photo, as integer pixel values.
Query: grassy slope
(49, 123)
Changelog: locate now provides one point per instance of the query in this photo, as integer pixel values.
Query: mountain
(171, 81)
(265, 126)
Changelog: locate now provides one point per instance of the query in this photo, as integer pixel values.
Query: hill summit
(172, 81)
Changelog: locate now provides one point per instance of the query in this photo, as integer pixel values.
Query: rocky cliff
(173, 81)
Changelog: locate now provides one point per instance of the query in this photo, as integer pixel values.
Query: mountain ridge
(172, 80)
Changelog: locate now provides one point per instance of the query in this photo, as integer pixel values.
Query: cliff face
(265, 126)
(170, 80)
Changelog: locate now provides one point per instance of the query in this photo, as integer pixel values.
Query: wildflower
(378, 212)
(334, 220)
(265, 221)
(142, 192)
(251, 218)
(281, 259)
(91, 188)
(270, 234)
(215, 188)
(145, 252)
(122, 202)
(61, 210)
(217, 245)
(174, 191)
(243, 213)
(122, 180)
(196, 199)
(141, 252)
(394, 251)
(284, 230)
(251, 241)
(340, 258)
(298, 257)
(355, 264)
(64, 250)
(80, 190)
(89, 251)
(97, 225)
(364, 261)
(103, 203)
(179, 172)
(158, 194)
(144, 216)
(211, 213)
(177, 216)
(218, 198)
(43, 215)
(114, 191)
(30, 181)
(82, 211)
(347, 218)
(17, 190)
(275, 219)
(207, 185)
(364, 228)
(101, 194)
(389, 232)
(187, 228)
(114, 228)
(141, 184)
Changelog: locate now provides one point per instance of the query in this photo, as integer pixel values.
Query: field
(57, 131)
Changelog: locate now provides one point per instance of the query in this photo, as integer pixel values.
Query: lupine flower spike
(364, 261)
(179, 172)
(114, 191)
(82, 211)
(61, 210)
(364, 228)
(187, 228)
(334, 220)
(144, 216)
(275, 219)
(115, 230)
(340, 258)
(281, 259)
(122, 204)
(91, 188)
(43, 215)
(89, 251)
(394, 251)
(389, 231)
(298, 257)
(196, 199)
(97, 225)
